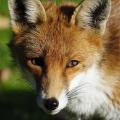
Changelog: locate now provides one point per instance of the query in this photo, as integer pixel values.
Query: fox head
(58, 47)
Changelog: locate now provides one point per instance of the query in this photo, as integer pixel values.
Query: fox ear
(92, 14)
(25, 13)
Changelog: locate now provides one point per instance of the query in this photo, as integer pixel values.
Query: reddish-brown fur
(58, 42)
(111, 62)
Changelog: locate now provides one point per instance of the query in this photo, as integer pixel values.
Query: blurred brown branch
(4, 74)
(4, 22)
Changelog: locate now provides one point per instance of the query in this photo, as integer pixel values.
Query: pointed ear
(25, 13)
(92, 14)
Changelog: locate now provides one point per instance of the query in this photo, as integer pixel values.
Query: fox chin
(70, 53)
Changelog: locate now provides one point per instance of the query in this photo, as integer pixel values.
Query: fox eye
(37, 61)
(72, 63)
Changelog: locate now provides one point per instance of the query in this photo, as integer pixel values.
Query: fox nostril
(51, 104)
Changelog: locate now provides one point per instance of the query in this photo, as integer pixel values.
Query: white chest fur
(90, 92)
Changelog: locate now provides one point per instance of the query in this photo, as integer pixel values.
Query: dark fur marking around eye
(40, 61)
(98, 14)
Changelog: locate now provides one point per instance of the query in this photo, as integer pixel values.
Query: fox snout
(52, 91)
(48, 104)
(52, 105)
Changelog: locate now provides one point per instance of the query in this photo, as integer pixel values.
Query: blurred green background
(17, 98)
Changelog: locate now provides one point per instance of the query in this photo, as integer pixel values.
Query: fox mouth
(54, 112)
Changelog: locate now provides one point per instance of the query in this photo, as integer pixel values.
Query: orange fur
(58, 41)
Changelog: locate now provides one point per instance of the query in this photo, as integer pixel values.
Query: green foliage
(4, 50)
(4, 7)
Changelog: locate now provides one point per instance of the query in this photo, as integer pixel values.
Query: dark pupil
(38, 61)
(73, 63)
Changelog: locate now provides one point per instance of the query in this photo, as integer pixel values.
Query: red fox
(71, 53)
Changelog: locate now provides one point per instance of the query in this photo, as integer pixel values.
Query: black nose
(51, 104)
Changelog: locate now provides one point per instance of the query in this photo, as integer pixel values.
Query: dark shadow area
(20, 105)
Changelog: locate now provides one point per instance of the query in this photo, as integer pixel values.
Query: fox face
(59, 48)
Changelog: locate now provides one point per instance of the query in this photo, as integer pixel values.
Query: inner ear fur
(25, 13)
(92, 14)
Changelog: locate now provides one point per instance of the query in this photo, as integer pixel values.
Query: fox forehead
(58, 39)
(56, 36)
